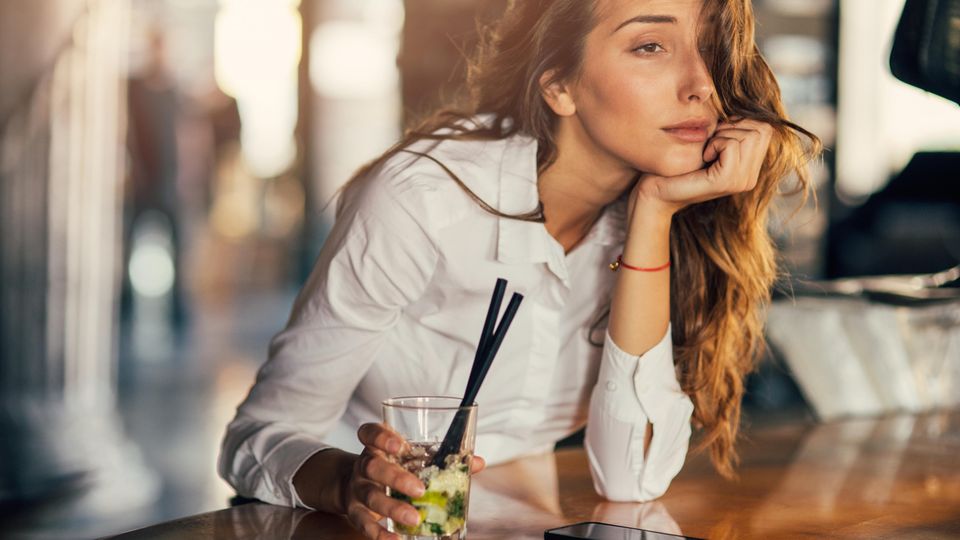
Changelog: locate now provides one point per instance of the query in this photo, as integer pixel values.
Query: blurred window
(882, 122)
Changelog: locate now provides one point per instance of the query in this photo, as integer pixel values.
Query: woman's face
(643, 95)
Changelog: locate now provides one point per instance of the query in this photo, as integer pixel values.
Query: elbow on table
(623, 485)
(238, 465)
(245, 474)
(627, 491)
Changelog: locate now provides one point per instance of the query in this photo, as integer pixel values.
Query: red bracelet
(615, 265)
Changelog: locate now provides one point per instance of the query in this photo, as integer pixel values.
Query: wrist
(651, 217)
(648, 236)
(340, 488)
(322, 481)
(647, 198)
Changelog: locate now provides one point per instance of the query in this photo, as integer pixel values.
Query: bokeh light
(352, 60)
(257, 50)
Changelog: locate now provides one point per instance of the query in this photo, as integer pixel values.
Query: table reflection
(860, 478)
(522, 499)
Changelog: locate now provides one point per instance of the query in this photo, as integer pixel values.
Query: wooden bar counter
(892, 477)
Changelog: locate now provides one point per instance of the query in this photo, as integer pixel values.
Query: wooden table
(893, 477)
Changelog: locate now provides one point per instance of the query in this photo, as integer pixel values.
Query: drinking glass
(423, 422)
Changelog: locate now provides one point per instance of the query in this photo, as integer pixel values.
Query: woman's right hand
(735, 153)
(365, 499)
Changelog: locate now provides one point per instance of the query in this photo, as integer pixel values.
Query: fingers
(744, 131)
(737, 150)
(375, 471)
(373, 497)
(477, 464)
(731, 172)
(745, 124)
(756, 141)
(381, 437)
(366, 522)
(715, 146)
(381, 441)
(378, 469)
(724, 149)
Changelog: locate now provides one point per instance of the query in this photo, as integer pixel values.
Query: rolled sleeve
(632, 392)
(338, 323)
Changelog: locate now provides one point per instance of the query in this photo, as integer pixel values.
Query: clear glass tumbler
(423, 421)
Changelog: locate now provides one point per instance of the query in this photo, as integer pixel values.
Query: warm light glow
(292, 3)
(357, 105)
(353, 60)
(235, 210)
(255, 42)
(257, 50)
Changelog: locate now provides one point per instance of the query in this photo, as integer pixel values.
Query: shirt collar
(515, 160)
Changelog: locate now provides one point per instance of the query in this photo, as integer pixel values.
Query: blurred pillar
(62, 131)
(368, 67)
(352, 99)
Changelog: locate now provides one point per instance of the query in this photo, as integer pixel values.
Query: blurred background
(164, 170)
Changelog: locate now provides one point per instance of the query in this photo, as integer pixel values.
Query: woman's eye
(649, 48)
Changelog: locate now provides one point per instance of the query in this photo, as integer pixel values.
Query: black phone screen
(592, 530)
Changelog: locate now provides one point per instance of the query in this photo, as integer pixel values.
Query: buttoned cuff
(642, 383)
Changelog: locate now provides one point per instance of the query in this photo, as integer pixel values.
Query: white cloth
(395, 305)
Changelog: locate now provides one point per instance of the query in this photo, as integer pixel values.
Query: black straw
(490, 341)
(493, 345)
(486, 334)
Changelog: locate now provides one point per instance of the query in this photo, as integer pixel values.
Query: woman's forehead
(615, 14)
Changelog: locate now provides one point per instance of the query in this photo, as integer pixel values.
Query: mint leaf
(455, 505)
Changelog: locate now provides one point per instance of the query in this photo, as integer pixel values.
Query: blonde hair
(724, 260)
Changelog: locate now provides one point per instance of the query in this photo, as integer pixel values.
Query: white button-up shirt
(395, 306)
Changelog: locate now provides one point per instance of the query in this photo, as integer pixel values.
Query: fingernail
(393, 446)
(411, 517)
(417, 490)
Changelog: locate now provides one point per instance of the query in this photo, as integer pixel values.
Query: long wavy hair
(724, 259)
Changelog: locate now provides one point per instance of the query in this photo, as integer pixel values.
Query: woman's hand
(365, 499)
(735, 152)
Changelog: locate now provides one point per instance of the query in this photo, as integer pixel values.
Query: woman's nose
(697, 84)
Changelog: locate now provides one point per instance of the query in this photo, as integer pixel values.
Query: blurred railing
(873, 345)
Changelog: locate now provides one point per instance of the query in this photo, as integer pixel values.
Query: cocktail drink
(443, 508)
(423, 422)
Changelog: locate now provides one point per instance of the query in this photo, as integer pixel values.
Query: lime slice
(435, 498)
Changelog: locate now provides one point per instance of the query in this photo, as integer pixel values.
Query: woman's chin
(674, 160)
(678, 167)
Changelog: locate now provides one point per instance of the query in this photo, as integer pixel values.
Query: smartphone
(592, 530)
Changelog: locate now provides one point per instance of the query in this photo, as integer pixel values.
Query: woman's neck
(577, 186)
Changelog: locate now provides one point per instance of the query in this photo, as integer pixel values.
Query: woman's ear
(557, 94)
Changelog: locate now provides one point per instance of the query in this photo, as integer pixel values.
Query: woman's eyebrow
(668, 19)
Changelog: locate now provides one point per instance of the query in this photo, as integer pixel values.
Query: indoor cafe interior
(169, 171)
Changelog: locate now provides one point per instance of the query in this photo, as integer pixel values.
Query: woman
(649, 130)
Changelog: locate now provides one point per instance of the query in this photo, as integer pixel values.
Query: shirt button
(611, 386)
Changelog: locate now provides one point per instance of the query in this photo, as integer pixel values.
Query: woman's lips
(692, 131)
(689, 134)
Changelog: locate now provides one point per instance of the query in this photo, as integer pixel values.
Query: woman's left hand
(735, 154)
